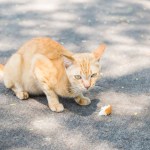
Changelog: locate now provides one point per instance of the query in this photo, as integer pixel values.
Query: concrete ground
(81, 25)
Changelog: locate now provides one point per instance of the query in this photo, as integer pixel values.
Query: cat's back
(42, 45)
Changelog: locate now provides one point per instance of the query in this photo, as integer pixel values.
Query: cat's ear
(99, 51)
(68, 61)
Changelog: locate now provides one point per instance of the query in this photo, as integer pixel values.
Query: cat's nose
(86, 84)
(87, 87)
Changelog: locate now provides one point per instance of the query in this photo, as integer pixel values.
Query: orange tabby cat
(43, 66)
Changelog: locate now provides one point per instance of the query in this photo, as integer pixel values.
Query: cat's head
(83, 70)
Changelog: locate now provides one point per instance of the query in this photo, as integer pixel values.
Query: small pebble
(13, 104)
(135, 113)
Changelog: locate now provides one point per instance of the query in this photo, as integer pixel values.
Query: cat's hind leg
(20, 93)
(13, 76)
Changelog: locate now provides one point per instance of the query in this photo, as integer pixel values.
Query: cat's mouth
(85, 89)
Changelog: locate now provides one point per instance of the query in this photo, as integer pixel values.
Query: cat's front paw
(82, 100)
(56, 107)
(22, 95)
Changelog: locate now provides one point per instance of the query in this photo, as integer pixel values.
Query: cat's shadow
(72, 106)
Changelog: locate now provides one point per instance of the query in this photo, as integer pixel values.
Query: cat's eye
(77, 77)
(93, 75)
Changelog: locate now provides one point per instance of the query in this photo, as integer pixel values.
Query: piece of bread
(106, 110)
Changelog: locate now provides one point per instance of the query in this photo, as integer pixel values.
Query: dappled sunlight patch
(38, 6)
(7, 44)
(33, 32)
(52, 132)
(28, 23)
(64, 16)
(45, 125)
(74, 139)
(105, 145)
(61, 24)
(78, 140)
(85, 30)
(124, 59)
(115, 36)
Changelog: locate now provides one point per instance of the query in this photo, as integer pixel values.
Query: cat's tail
(1, 72)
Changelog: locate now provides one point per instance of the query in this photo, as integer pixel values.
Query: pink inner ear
(99, 51)
(67, 61)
